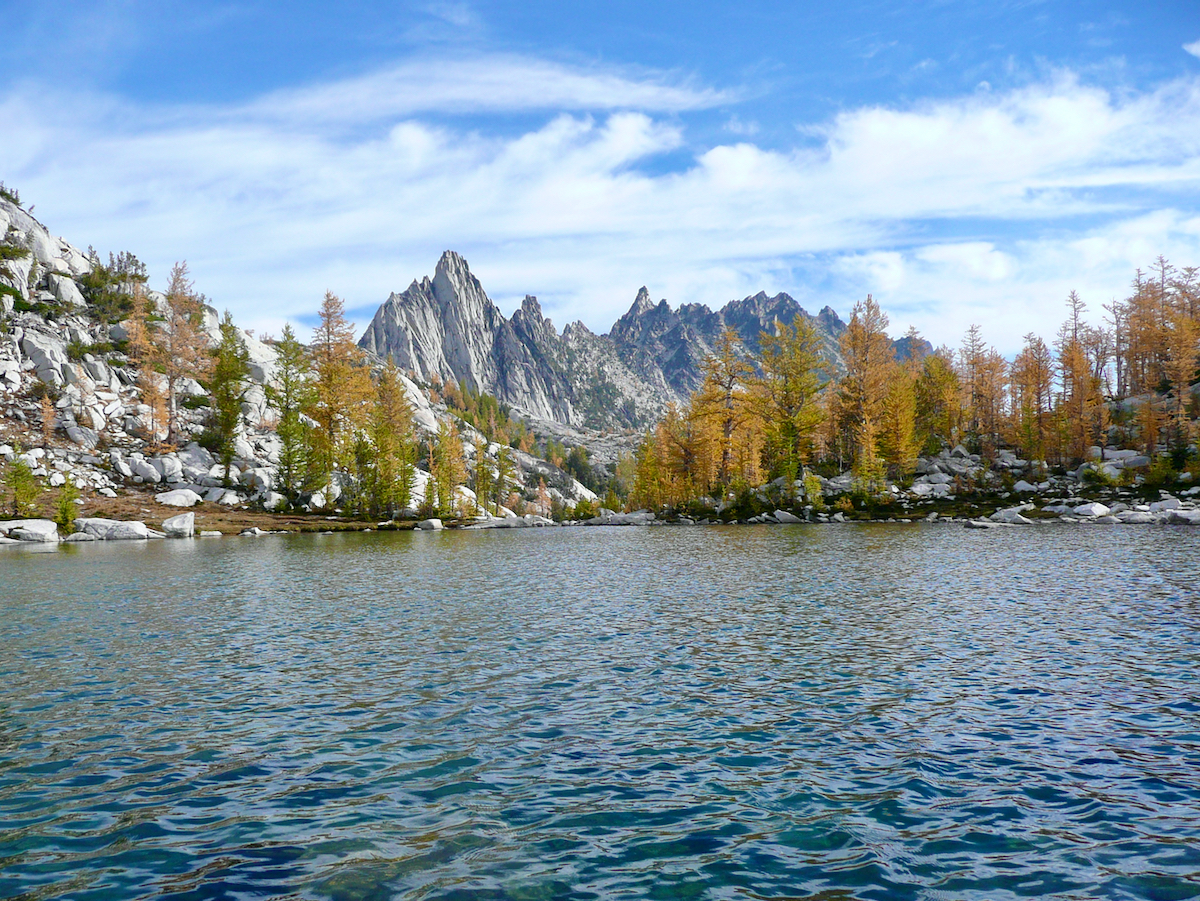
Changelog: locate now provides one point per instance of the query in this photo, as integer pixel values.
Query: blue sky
(964, 162)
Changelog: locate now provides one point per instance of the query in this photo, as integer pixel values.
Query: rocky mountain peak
(652, 356)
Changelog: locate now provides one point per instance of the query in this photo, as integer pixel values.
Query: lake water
(834, 712)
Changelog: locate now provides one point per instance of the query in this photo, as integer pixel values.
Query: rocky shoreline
(1169, 510)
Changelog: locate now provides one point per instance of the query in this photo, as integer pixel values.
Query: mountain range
(447, 328)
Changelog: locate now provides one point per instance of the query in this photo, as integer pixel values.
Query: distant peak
(531, 307)
(641, 303)
(452, 262)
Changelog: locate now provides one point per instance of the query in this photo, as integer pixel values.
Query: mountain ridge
(448, 328)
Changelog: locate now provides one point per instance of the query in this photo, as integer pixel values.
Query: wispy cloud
(484, 84)
(1193, 48)
(960, 210)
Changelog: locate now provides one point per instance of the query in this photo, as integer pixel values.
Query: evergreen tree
(485, 480)
(227, 386)
(66, 511)
(1183, 348)
(23, 484)
(505, 475)
(290, 393)
(108, 290)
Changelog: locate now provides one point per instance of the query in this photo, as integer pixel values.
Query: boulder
(181, 526)
(1184, 517)
(179, 497)
(120, 465)
(430, 525)
(273, 500)
(95, 526)
(36, 530)
(66, 291)
(1091, 510)
(980, 524)
(1167, 503)
(196, 456)
(1012, 516)
(128, 531)
(78, 537)
(143, 469)
(169, 468)
(1137, 517)
(785, 517)
(261, 479)
(1024, 487)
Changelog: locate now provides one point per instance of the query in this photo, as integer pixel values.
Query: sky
(963, 162)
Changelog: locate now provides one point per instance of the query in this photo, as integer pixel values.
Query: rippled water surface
(848, 712)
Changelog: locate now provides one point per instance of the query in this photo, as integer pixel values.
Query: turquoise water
(838, 712)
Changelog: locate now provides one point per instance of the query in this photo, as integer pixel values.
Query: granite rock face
(447, 327)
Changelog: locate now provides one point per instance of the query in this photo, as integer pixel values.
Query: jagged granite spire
(448, 327)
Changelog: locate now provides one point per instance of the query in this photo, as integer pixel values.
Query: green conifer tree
(227, 388)
(291, 392)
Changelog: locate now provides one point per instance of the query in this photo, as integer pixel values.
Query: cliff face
(653, 355)
(448, 327)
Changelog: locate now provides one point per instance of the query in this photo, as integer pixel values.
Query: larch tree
(722, 396)
(1183, 347)
(392, 434)
(691, 449)
(939, 401)
(992, 381)
(786, 397)
(651, 483)
(1032, 390)
(862, 391)
(183, 346)
(448, 469)
(897, 440)
(1082, 404)
(342, 389)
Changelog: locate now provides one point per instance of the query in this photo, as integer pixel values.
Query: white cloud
(492, 83)
(346, 187)
(1193, 48)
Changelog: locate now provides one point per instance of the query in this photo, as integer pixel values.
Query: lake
(833, 712)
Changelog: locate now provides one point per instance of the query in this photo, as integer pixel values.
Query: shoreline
(133, 516)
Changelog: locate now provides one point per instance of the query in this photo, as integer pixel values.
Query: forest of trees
(1125, 383)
